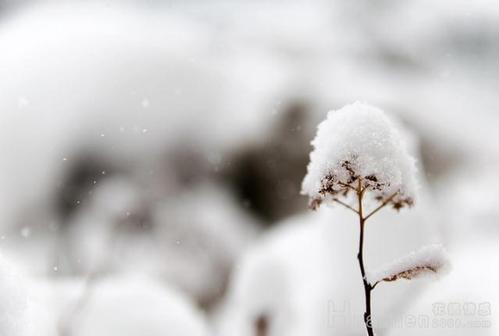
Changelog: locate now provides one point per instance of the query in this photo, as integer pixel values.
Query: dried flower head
(360, 144)
(411, 273)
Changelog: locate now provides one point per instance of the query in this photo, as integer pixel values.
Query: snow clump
(431, 259)
(359, 145)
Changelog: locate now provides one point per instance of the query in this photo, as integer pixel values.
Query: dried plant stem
(360, 256)
(385, 202)
(345, 205)
(368, 288)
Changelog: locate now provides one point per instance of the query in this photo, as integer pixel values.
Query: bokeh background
(152, 152)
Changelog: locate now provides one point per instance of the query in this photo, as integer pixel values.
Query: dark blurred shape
(267, 176)
(77, 185)
(262, 324)
(438, 160)
(399, 60)
(439, 157)
(7, 7)
(475, 40)
(188, 164)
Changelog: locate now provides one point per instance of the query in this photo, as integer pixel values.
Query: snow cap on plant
(359, 144)
(428, 260)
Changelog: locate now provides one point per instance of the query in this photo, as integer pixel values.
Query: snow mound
(135, 305)
(13, 301)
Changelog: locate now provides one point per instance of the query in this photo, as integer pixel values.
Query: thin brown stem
(385, 202)
(360, 256)
(345, 205)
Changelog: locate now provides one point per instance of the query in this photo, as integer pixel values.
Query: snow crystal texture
(365, 138)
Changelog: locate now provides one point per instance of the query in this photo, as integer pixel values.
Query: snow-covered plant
(360, 156)
(431, 259)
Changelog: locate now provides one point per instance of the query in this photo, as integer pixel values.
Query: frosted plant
(358, 156)
(431, 259)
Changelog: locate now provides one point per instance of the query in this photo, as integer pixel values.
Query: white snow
(127, 304)
(462, 303)
(196, 239)
(431, 259)
(82, 89)
(13, 301)
(133, 305)
(202, 233)
(366, 139)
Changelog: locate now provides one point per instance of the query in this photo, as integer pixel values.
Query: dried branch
(410, 273)
(345, 205)
(385, 202)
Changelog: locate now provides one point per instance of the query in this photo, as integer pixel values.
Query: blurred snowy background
(152, 153)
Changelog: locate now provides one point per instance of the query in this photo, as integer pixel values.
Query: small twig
(345, 205)
(381, 206)
(347, 186)
(375, 284)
